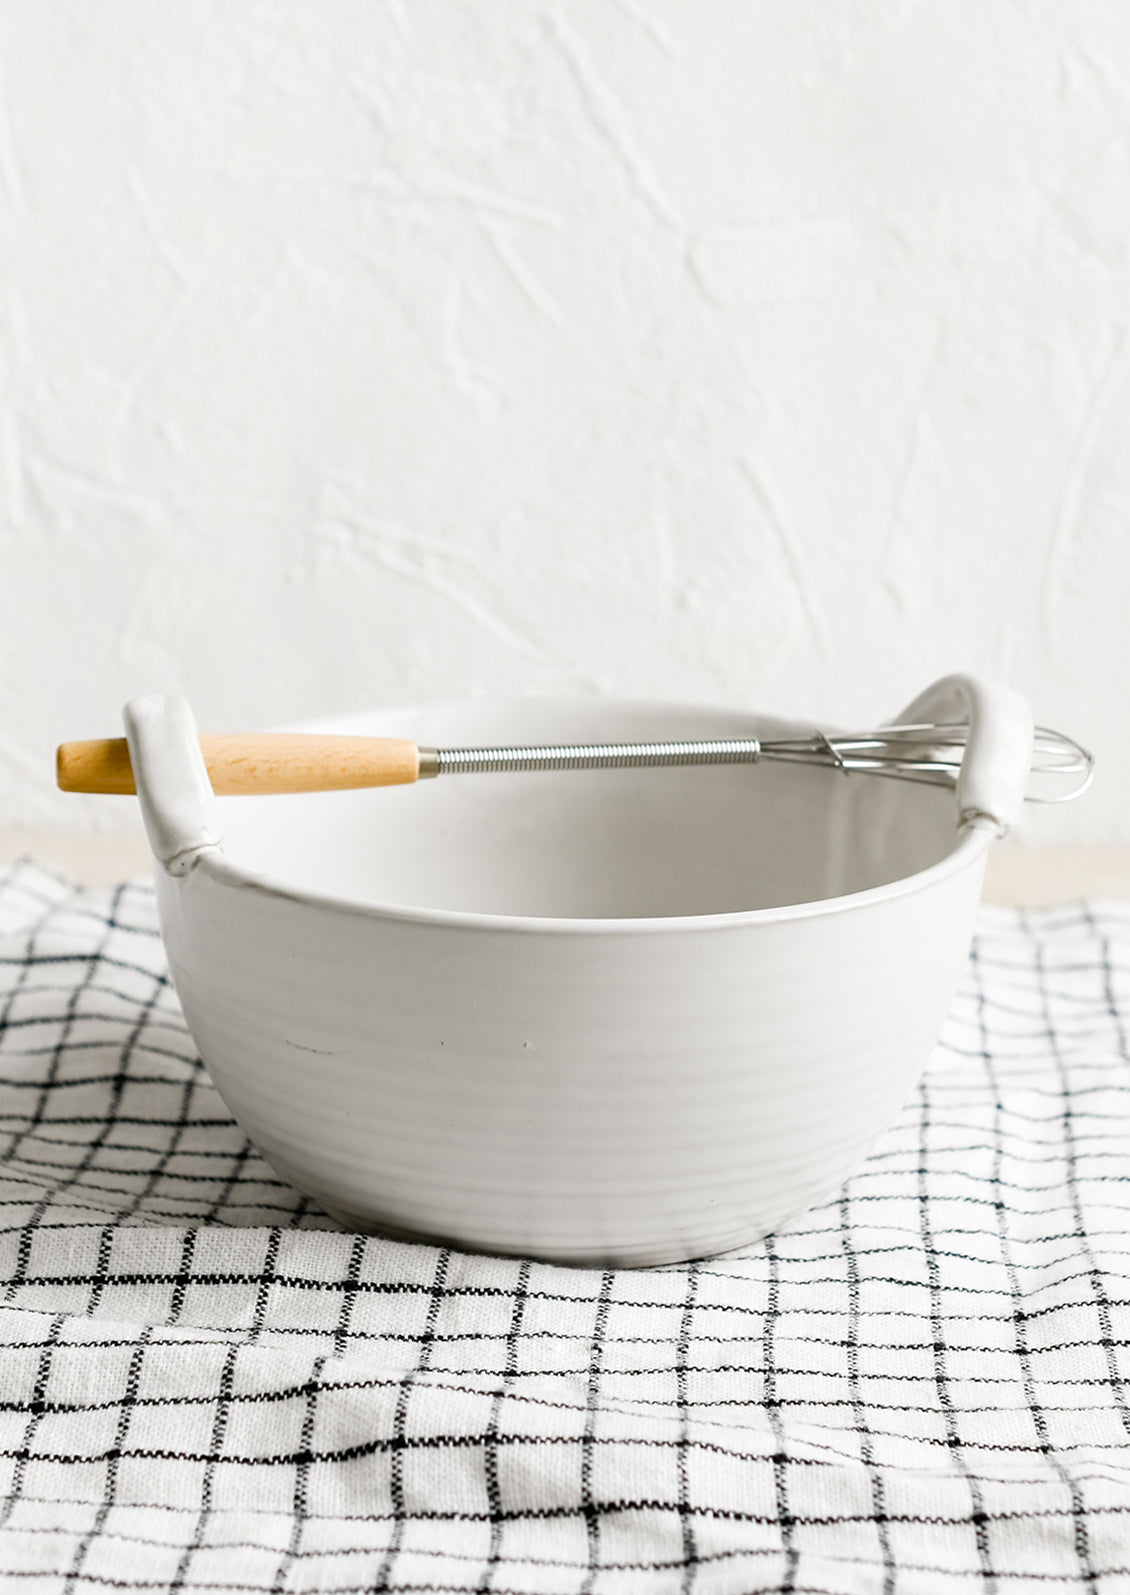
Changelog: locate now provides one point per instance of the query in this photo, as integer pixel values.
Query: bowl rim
(971, 843)
(971, 846)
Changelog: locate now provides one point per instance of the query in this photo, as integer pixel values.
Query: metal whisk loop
(1057, 754)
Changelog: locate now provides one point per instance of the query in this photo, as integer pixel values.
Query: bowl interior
(592, 844)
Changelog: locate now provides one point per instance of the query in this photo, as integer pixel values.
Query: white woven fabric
(920, 1387)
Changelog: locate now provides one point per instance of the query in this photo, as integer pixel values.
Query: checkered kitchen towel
(922, 1386)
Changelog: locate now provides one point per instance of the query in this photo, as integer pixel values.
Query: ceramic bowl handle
(998, 747)
(177, 802)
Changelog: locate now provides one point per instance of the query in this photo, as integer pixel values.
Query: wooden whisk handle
(244, 765)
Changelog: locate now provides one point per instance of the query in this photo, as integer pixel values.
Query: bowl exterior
(623, 1093)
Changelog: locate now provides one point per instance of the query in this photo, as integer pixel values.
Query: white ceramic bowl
(620, 1017)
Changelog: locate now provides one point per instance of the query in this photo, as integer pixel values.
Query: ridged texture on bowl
(621, 1094)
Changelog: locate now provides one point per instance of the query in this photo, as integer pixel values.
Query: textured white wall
(759, 351)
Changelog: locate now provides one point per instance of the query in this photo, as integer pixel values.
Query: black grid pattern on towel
(921, 1386)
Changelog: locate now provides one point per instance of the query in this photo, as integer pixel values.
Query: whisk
(280, 761)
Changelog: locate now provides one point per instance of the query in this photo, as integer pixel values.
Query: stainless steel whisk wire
(930, 754)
